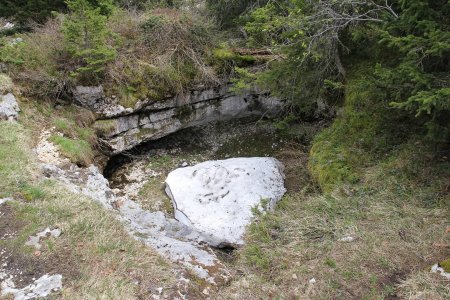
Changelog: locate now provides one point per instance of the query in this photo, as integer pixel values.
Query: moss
(78, 151)
(128, 97)
(225, 59)
(445, 265)
(105, 127)
(360, 136)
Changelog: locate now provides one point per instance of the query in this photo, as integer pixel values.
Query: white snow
(217, 197)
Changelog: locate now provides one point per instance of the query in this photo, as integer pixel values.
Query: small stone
(347, 239)
(439, 270)
(37, 253)
(294, 276)
(4, 200)
(206, 291)
(8, 25)
(312, 281)
(184, 164)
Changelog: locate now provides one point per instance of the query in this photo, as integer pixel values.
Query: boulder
(218, 198)
(88, 96)
(9, 108)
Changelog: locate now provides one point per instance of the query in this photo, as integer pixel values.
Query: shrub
(153, 54)
(39, 63)
(228, 12)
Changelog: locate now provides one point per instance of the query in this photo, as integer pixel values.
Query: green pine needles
(88, 38)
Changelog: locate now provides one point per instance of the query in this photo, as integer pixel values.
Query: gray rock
(4, 200)
(9, 108)
(40, 288)
(8, 25)
(170, 238)
(217, 197)
(158, 119)
(88, 96)
(35, 240)
(16, 41)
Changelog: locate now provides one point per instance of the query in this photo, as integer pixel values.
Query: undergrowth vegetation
(156, 54)
(366, 129)
(163, 53)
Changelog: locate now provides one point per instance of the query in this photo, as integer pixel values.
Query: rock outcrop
(216, 198)
(9, 108)
(123, 128)
(170, 238)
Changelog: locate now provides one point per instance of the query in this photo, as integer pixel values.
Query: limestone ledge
(121, 129)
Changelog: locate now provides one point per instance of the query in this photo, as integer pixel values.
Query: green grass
(14, 160)
(394, 226)
(63, 125)
(105, 127)
(78, 151)
(96, 256)
(6, 84)
(366, 130)
(31, 192)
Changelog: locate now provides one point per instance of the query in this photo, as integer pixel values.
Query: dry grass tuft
(163, 53)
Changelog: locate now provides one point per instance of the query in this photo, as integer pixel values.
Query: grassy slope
(382, 185)
(386, 188)
(97, 258)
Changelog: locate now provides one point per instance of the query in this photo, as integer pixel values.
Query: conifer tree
(87, 36)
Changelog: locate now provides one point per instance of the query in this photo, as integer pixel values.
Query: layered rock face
(217, 198)
(122, 128)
